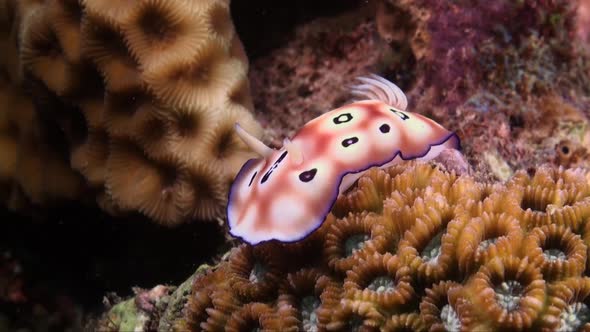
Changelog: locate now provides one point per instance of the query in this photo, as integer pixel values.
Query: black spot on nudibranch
(384, 128)
(266, 175)
(308, 175)
(401, 114)
(281, 158)
(342, 118)
(349, 141)
(252, 179)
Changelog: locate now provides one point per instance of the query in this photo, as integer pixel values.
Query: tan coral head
(286, 194)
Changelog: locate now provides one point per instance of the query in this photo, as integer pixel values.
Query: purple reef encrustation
(511, 78)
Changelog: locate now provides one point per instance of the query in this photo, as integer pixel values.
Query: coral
(449, 254)
(350, 237)
(405, 322)
(428, 247)
(249, 317)
(557, 250)
(568, 305)
(29, 147)
(254, 272)
(301, 293)
(552, 196)
(506, 294)
(486, 237)
(507, 76)
(146, 113)
(438, 307)
(569, 153)
(200, 317)
(378, 283)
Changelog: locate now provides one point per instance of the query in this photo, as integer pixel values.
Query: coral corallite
(414, 247)
(154, 87)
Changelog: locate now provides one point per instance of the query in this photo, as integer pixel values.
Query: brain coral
(415, 247)
(145, 93)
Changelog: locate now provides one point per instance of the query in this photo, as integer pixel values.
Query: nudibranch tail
(376, 87)
(252, 142)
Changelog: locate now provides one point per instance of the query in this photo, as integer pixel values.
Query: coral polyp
(405, 322)
(380, 283)
(428, 247)
(254, 272)
(557, 250)
(506, 293)
(569, 305)
(438, 308)
(301, 292)
(486, 237)
(352, 238)
(250, 317)
(553, 197)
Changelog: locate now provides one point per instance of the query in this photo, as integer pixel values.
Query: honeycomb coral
(552, 196)
(568, 306)
(487, 237)
(148, 93)
(255, 272)
(249, 317)
(379, 283)
(461, 256)
(557, 250)
(301, 292)
(428, 247)
(347, 236)
(506, 293)
(27, 147)
(438, 309)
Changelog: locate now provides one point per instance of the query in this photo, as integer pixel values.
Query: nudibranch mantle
(287, 193)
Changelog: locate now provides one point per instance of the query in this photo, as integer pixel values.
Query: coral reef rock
(415, 247)
(142, 95)
(500, 74)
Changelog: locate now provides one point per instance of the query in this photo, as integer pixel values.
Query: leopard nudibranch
(286, 194)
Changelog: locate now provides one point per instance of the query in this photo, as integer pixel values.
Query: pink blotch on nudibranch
(286, 194)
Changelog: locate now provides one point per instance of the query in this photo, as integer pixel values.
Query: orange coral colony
(286, 194)
(416, 247)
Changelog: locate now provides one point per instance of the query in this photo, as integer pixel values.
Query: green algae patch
(125, 316)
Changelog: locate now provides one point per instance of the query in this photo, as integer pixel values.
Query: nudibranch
(286, 194)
